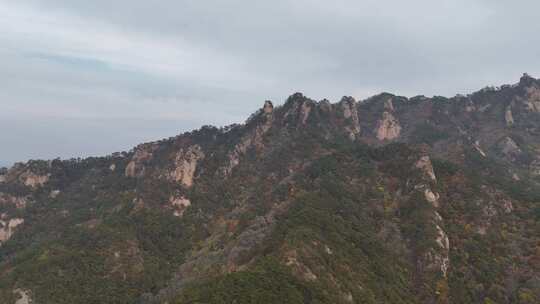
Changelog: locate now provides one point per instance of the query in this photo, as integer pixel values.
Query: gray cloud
(149, 69)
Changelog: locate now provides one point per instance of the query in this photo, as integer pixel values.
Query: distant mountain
(385, 200)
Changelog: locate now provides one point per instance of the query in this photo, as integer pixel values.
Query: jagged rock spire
(268, 107)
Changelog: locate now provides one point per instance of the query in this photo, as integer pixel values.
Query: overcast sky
(86, 77)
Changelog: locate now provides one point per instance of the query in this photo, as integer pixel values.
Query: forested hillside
(384, 200)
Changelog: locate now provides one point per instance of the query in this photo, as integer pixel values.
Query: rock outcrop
(508, 116)
(7, 228)
(350, 113)
(431, 260)
(532, 99)
(143, 153)
(23, 296)
(186, 162)
(19, 202)
(424, 164)
(509, 148)
(33, 180)
(388, 127)
(253, 138)
(179, 205)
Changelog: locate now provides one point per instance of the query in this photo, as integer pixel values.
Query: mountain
(385, 200)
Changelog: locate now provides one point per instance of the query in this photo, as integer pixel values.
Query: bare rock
(432, 197)
(442, 238)
(388, 127)
(143, 153)
(186, 162)
(424, 164)
(252, 138)
(534, 167)
(23, 296)
(268, 107)
(508, 116)
(7, 228)
(509, 148)
(180, 205)
(350, 113)
(479, 149)
(532, 99)
(33, 180)
(19, 202)
(54, 193)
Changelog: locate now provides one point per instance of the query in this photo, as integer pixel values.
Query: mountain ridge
(391, 199)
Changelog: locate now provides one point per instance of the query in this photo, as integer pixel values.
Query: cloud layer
(73, 70)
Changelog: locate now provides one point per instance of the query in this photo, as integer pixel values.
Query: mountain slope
(387, 200)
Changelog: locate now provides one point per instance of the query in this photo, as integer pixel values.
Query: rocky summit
(384, 200)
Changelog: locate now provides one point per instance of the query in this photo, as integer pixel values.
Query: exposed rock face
(532, 100)
(507, 206)
(509, 148)
(7, 228)
(435, 259)
(508, 116)
(469, 106)
(179, 204)
(33, 180)
(389, 105)
(143, 153)
(131, 169)
(186, 161)
(347, 213)
(252, 138)
(27, 174)
(23, 296)
(534, 168)
(54, 193)
(268, 107)
(442, 238)
(424, 164)
(305, 109)
(432, 197)
(350, 113)
(442, 258)
(299, 268)
(388, 127)
(18, 201)
(479, 149)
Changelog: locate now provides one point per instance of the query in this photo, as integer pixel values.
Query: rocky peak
(294, 101)
(527, 80)
(388, 127)
(415, 197)
(297, 109)
(268, 107)
(350, 113)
